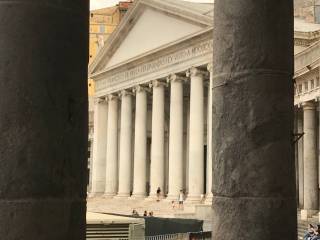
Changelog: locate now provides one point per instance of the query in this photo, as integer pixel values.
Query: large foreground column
(140, 144)
(125, 158)
(99, 147)
(157, 140)
(310, 161)
(176, 137)
(43, 119)
(196, 147)
(253, 156)
(112, 147)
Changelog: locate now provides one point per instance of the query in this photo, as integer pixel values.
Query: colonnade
(120, 152)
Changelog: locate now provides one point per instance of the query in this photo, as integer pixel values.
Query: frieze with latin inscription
(152, 66)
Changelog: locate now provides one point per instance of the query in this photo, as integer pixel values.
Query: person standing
(181, 199)
(158, 194)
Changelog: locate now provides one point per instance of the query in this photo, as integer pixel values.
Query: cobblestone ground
(125, 206)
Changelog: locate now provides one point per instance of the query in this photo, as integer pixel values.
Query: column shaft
(140, 144)
(300, 160)
(112, 148)
(99, 147)
(253, 154)
(209, 139)
(310, 159)
(43, 119)
(176, 138)
(125, 158)
(157, 144)
(196, 148)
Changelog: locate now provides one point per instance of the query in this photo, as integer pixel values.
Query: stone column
(140, 144)
(176, 137)
(253, 154)
(125, 158)
(99, 147)
(209, 139)
(300, 159)
(196, 147)
(310, 161)
(157, 145)
(43, 119)
(112, 148)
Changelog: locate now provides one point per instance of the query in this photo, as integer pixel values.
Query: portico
(157, 97)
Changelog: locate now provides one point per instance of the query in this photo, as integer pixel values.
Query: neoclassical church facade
(153, 108)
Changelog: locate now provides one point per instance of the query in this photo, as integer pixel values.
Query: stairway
(108, 231)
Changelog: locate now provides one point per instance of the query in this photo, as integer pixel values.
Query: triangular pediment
(150, 25)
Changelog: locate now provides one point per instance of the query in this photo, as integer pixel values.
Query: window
(102, 28)
(317, 82)
(306, 86)
(312, 84)
(300, 88)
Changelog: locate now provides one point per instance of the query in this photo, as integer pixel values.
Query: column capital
(140, 88)
(99, 100)
(194, 72)
(111, 97)
(210, 67)
(124, 93)
(308, 106)
(157, 83)
(175, 78)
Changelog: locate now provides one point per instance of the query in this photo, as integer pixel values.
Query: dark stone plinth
(253, 156)
(43, 119)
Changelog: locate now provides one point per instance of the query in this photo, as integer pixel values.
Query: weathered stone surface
(253, 158)
(43, 119)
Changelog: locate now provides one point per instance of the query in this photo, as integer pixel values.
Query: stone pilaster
(196, 147)
(140, 144)
(176, 145)
(112, 148)
(125, 153)
(300, 160)
(157, 171)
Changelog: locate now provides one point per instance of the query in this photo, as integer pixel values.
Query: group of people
(145, 213)
(313, 233)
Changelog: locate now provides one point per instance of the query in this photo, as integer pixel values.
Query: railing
(182, 236)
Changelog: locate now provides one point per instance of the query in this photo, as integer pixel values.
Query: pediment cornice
(130, 19)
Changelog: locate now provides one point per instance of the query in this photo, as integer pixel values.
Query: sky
(95, 4)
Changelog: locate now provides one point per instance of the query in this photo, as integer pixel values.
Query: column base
(122, 195)
(209, 198)
(94, 195)
(193, 199)
(306, 213)
(109, 195)
(141, 196)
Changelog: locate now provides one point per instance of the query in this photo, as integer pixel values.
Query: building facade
(153, 104)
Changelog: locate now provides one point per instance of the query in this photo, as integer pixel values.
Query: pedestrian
(316, 235)
(135, 213)
(145, 214)
(310, 234)
(158, 194)
(181, 199)
(173, 204)
(151, 214)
